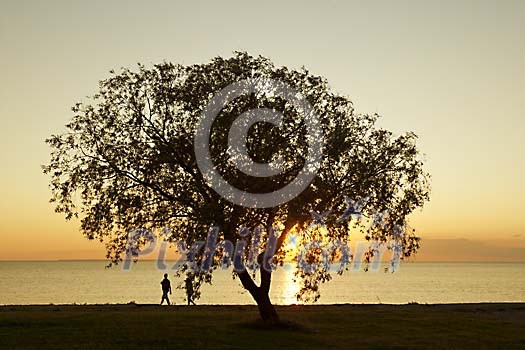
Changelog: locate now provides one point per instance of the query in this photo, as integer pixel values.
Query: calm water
(89, 282)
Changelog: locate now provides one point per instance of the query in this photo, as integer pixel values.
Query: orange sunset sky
(451, 71)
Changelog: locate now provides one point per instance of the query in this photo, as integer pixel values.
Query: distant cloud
(517, 235)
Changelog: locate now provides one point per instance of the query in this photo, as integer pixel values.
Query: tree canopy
(127, 161)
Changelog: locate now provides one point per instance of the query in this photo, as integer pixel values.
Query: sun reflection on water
(289, 288)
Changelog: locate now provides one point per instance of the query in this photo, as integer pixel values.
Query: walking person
(189, 290)
(166, 287)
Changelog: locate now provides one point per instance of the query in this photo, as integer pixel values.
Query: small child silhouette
(166, 287)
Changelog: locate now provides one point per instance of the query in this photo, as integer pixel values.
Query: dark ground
(414, 326)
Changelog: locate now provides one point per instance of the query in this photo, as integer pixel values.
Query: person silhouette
(166, 287)
(189, 290)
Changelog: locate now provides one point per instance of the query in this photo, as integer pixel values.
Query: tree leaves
(127, 159)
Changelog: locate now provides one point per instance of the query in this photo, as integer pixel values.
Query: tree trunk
(266, 309)
(261, 296)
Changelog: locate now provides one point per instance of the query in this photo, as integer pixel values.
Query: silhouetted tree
(127, 161)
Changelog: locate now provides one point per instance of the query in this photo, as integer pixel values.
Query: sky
(451, 71)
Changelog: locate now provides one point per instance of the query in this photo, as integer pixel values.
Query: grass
(413, 326)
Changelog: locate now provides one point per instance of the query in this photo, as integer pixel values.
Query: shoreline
(132, 304)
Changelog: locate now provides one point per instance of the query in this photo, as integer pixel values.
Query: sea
(90, 282)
